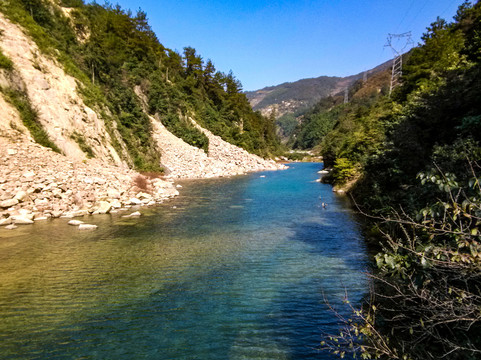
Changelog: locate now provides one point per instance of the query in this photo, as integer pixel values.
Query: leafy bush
(5, 62)
(343, 170)
(29, 118)
(80, 140)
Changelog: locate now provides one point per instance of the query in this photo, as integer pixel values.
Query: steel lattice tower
(397, 61)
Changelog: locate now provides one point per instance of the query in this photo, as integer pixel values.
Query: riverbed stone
(113, 193)
(5, 204)
(5, 221)
(21, 195)
(104, 207)
(87, 227)
(21, 220)
(116, 204)
(75, 222)
(135, 201)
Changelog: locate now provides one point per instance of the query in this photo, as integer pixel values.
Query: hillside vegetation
(289, 102)
(416, 156)
(126, 74)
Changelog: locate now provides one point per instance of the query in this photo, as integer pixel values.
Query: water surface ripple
(231, 269)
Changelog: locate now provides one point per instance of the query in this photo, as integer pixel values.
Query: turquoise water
(231, 269)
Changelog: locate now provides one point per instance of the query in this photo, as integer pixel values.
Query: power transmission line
(406, 14)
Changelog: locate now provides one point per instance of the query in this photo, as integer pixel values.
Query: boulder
(21, 220)
(26, 214)
(10, 227)
(28, 176)
(142, 195)
(116, 204)
(104, 207)
(135, 201)
(134, 214)
(87, 227)
(5, 221)
(75, 222)
(79, 213)
(8, 203)
(57, 213)
(40, 218)
(113, 193)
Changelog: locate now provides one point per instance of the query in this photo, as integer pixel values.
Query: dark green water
(237, 270)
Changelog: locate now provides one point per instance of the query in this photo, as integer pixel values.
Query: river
(231, 269)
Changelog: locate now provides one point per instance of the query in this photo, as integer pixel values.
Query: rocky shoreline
(37, 184)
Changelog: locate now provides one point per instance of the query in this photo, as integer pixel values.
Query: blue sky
(268, 42)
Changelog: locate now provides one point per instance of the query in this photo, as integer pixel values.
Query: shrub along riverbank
(417, 155)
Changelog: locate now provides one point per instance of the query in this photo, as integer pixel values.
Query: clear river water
(235, 268)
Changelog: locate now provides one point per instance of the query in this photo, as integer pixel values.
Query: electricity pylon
(397, 62)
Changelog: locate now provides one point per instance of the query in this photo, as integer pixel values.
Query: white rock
(40, 218)
(10, 227)
(5, 221)
(28, 175)
(135, 201)
(142, 195)
(116, 204)
(41, 202)
(79, 213)
(11, 151)
(104, 207)
(57, 213)
(8, 203)
(87, 227)
(75, 222)
(113, 193)
(21, 220)
(26, 214)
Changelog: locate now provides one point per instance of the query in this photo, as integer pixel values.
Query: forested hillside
(289, 102)
(126, 74)
(416, 156)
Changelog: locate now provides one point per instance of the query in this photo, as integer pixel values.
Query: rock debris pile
(37, 183)
(223, 159)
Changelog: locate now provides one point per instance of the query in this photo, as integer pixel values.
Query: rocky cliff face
(37, 183)
(54, 95)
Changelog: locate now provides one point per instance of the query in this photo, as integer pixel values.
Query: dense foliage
(418, 153)
(347, 133)
(127, 74)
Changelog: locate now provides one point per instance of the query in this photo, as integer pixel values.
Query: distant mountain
(291, 97)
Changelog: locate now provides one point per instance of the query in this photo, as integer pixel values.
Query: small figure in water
(324, 205)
